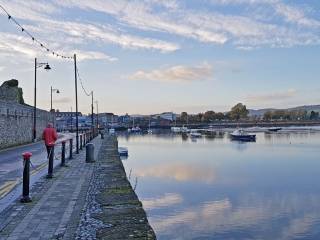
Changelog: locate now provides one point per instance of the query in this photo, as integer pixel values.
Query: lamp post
(53, 90)
(36, 66)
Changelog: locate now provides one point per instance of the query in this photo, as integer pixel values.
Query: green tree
(268, 115)
(209, 116)
(314, 115)
(239, 111)
(184, 117)
(219, 116)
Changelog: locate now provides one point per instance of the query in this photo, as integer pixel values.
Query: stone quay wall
(16, 123)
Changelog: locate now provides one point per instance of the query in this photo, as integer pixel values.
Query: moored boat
(195, 134)
(175, 129)
(123, 151)
(242, 135)
(274, 129)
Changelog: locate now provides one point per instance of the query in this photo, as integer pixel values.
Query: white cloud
(177, 73)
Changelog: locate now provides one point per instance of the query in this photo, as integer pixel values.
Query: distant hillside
(261, 112)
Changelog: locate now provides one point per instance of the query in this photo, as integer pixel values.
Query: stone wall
(16, 123)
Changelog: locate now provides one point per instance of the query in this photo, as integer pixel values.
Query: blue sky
(149, 56)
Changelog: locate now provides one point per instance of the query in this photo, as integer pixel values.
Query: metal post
(26, 178)
(76, 89)
(92, 122)
(97, 115)
(63, 154)
(80, 141)
(70, 150)
(35, 102)
(71, 120)
(50, 165)
(51, 99)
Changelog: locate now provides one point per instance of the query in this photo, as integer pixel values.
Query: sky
(152, 56)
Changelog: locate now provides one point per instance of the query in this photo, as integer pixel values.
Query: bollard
(63, 154)
(71, 146)
(84, 139)
(90, 153)
(102, 135)
(81, 144)
(26, 178)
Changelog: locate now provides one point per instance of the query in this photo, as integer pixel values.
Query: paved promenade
(56, 204)
(82, 201)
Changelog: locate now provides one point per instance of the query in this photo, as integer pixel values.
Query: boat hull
(249, 138)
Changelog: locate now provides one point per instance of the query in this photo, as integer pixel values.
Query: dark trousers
(50, 151)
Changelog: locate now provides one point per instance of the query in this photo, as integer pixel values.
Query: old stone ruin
(9, 91)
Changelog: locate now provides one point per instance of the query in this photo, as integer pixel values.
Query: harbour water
(215, 188)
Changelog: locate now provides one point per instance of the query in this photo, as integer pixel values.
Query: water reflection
(179, 172)
(220, 189)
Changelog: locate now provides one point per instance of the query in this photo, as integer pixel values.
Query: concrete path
(56, 205)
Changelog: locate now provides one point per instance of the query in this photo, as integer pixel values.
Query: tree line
(240, 112)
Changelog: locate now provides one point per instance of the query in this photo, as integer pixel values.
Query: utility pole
(35, 102)
(92, 111)
(97, 114)
(76, 89)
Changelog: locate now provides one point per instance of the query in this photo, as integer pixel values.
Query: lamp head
(47, 67)
(58, 91)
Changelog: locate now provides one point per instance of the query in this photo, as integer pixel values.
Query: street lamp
(47, 68)
(56, 91)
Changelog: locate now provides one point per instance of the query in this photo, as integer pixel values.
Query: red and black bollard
(71, 146)
(26, 178)
(63, 154)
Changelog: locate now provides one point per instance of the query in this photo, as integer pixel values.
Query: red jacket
(49, 136)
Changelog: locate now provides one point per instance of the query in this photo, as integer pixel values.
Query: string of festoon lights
(44, 46)
(82, 86)
(35, 40)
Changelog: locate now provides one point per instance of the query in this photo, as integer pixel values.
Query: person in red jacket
(50, 137)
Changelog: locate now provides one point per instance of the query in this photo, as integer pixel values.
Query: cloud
(272, 97)
(168, 199)
(243, 29)
(2, 68)
(177, 73)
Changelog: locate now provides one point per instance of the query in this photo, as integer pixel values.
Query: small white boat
(242, 135)
(136, 129)
(195, 134)
(123, 151)
(175, 129)
(185, 129)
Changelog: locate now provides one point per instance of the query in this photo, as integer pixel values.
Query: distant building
(170, 116)
(108, 119)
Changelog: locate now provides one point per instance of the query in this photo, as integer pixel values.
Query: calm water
(213, 188)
